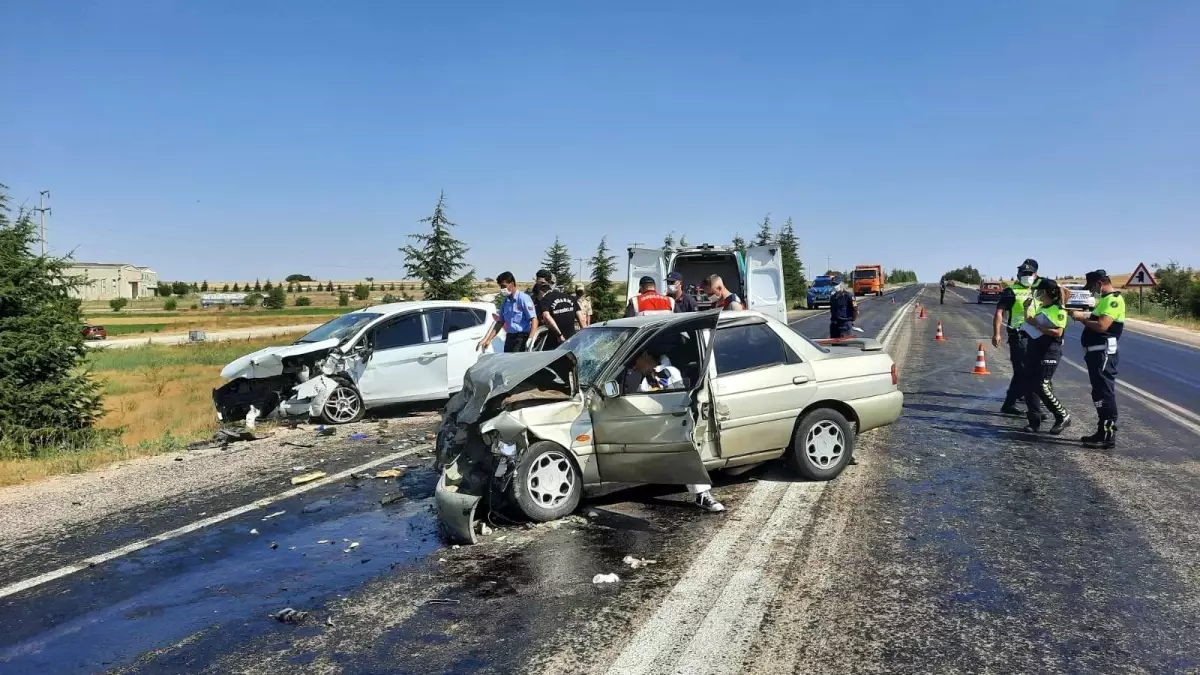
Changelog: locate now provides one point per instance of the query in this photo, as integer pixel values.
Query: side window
(740, 348)
(435, 320)
(480, 314)
(459, 319)
(403, 332)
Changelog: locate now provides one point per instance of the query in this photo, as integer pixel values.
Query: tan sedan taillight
(895, 380)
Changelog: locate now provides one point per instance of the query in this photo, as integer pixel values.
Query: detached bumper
(456, 512)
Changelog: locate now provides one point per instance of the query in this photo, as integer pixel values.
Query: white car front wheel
(344, 405)
(822, 445)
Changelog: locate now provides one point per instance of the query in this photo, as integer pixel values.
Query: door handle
(800, 379)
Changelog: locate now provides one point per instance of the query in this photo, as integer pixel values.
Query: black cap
(1095, 276)
(674, 276)
(544, 274)
(1026, 268)
(1031, 264)
(647, 281)
(1048, 285)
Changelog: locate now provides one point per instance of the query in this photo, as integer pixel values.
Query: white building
(105, 281)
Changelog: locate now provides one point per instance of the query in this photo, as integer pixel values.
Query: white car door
(404, 364)
(764, 281)
(645, 262)
(463, 332)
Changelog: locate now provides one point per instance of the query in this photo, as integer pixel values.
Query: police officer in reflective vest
(649, 300)
(1045, 327)
(1101, 332)
(1010, 312)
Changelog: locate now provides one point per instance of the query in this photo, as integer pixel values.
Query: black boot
(1011, 409)
(1105, 436)
(1034, 424)
(1060, 423)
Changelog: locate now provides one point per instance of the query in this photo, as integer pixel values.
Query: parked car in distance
(990, 291)
(93, 332)
(821, 291)
(386, 354)
(1081, 297)
(531, 432)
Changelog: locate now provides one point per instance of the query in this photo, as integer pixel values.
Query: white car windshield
(594, 347)
(340, 328)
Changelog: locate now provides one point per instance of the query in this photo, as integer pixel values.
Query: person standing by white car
(518, 317)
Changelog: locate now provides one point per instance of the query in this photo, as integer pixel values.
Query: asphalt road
(957, 543)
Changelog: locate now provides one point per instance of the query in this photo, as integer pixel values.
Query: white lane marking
(698, 588)
(817, 312)
(1141, 333)
(1186, 418)
(889, 329)
(199, 524)
(722, 641)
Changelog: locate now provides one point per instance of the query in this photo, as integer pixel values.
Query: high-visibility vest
(651, 302)
(1016, 316)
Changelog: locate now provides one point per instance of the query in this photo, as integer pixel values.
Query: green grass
(202, 354)
(133, 328)
(294, 311)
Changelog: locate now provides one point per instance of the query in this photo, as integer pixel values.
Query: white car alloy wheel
(551, 479)
(343, 405)
(824, 444)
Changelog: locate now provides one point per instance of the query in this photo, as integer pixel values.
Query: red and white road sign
(1141, 278)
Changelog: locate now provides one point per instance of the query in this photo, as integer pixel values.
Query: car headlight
(506, 449)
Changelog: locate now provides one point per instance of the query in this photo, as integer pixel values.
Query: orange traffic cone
(922, 315)
(939, 337)
(980, 363)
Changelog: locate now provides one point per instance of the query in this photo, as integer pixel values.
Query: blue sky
(232, 140)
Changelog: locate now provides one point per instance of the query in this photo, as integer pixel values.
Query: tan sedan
(655, 399)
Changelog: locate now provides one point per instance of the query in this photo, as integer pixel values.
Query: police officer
(675, 291)
(648, 300)
(518, 317)
(843, 312)
(1045, 327)
(942, 298)
(1012, 303)
(1101, 332)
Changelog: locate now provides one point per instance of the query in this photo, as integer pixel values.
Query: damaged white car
(654, 399)
(382, 355)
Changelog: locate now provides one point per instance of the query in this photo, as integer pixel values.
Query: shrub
(303, 301)
(180, 288)
(361, 292)
(343, 299)
(194, 306)
(388, 298)
(276, 299)
(171, 305)
(254, 300)
(118, 303)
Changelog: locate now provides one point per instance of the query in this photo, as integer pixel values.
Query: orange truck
(868, 280)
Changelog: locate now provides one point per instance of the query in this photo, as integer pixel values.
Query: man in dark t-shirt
(559, 311)
(843, 311)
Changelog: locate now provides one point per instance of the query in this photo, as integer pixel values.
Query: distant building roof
(76, 263)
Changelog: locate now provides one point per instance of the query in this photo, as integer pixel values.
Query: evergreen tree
(275, 298)
(46, 395)
(683, 242)
(204, 286)
(225, 288)
(195, 288)
(329, 286)
(267, 286)
(605, 304)
(795, 284)
(764, 235)
(668, 246)
(558, 263)
(257, 286)
(438, 258)
(236, 287)
(739, 243)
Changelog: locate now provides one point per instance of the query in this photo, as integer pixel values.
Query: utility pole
(827, 262)
(42, 209)
(580, 277)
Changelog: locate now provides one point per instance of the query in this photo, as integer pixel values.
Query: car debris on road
(308, 477)
(636, 563)
(605, 579)
(289, 615)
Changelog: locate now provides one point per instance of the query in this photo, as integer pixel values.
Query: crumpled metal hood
(497, 374)
(268, 361)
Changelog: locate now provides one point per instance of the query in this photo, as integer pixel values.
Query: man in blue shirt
(518, 317)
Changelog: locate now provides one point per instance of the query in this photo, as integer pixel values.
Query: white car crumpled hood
(268, 362)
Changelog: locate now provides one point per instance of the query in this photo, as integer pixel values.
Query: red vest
(651, 302)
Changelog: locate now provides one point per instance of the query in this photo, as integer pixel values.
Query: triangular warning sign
(1141, 277)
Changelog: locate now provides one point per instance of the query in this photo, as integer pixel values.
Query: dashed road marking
(197, 525)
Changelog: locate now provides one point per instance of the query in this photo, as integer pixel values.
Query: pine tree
(739, 243)
(275, 298)
(683, 242)
(438, 258)
(329, 286)
(267, 286)
(558, 263)
(236, 288)
(225, 288)
(764, 235)
(46, 395)
(795, 285)
(668, 246)
(195, 288)
(257, 286)
(605, 304)
(204, 286)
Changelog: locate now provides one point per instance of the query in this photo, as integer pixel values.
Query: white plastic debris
(323, 541)
(484, 529)
(353, 545)
(272, 515)
(605, 579)
(635, 563)
(251, 416)
(253, 531)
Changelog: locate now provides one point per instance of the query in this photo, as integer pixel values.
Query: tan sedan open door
(649, 437)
